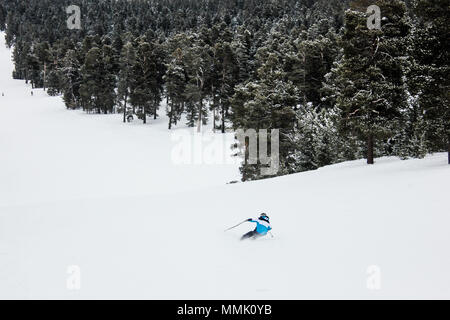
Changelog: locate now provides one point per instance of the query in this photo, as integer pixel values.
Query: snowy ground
(88, 191)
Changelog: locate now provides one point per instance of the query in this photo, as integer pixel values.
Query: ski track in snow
(88, 190)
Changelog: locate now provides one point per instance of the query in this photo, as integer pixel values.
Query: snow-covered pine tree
(243, 49)
(369, 80)
(146, 84)
(199, 61)
(410, 140)
(268, 103)
(2, 18)
(126, 63)
(316, 141)
(175, 80)
(97, 87)
(310, 59)
(429, 77)
(227, 78)
(71, 80)
(107, 94)
(89, 84)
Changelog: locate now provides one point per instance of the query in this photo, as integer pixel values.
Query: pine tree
(33, 72)
(198, 66)
(316, 141)
(175, 80)
(54, 81)
(428, 78)
(89, 87)
(227, 78)
(2, 18)
(141, 96)
(308, 64)
(126, 63)
(411, 140)
(146, 85)
(268, 103)
(369, 84)
(244, 52)
(71, 78)
(44, 56)
(107, 95)
(20, 52)
(97, 87)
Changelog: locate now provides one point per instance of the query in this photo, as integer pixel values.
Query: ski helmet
(264, 217)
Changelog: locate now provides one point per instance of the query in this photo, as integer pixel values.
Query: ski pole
(236, 225)
(271, 234)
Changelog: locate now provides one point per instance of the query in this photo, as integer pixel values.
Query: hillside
(142, 226)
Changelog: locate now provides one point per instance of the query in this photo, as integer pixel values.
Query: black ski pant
(251, 235)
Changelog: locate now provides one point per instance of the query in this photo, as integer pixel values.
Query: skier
(262, 227)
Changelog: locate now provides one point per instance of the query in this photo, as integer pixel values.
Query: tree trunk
(214, 119)
(170, 115)
(223, 118)
(45, 73)
(144, 115)
(176, 114)
(221, 101)
(370, 149)
(125, 108)
(448, 148)
(199, 126)
(200, 118)
(246, 156)
(213, 90)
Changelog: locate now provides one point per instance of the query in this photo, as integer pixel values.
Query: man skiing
(262, 227)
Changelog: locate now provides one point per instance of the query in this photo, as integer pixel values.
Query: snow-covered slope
(51, 153)
(88, 191)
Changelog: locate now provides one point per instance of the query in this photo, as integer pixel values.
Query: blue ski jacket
(262, 227)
